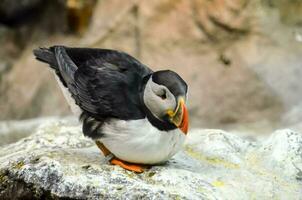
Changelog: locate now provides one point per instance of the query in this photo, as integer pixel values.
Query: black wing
(104, 83)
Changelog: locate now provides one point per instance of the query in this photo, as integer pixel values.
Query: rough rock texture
(57, 161)
(12, 131)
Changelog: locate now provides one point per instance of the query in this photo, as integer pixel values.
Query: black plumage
(106, 84)
(172, 81)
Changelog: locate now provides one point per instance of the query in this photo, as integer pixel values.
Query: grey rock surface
(58, 161)
(13, 130)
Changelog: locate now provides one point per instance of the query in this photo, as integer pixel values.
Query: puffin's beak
(180, 116)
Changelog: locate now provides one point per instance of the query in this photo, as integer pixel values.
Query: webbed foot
(115, 161)
(128, 166)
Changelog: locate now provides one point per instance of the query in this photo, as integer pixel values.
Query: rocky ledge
(56, 161)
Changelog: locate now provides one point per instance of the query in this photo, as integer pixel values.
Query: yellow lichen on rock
(218, 183)
(211, 160)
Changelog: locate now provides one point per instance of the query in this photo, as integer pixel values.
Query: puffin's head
(165, 96)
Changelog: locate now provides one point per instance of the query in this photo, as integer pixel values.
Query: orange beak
(180, 116)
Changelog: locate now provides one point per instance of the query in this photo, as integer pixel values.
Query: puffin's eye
(163, 95)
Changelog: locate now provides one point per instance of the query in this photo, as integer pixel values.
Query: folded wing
(104, 83)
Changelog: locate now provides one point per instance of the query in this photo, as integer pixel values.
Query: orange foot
(115, 161)
(128, 166)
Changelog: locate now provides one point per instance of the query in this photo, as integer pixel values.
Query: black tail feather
(47, 56)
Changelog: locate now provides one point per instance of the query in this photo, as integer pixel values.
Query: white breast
(138, 141)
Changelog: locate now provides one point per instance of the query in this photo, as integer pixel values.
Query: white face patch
(158, 99)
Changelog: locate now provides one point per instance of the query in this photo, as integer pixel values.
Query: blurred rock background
(242, 59)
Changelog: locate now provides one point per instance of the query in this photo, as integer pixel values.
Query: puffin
(137, 117)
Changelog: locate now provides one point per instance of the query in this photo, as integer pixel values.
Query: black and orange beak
(180, 116)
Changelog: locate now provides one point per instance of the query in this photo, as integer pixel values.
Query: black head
(172, 81)
(165, 97)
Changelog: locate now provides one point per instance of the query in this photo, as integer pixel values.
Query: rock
(223, 20)
(294, 116)
(57, 161)
(290, 12)
(12, 131)
(16, 10)
(40, 90)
